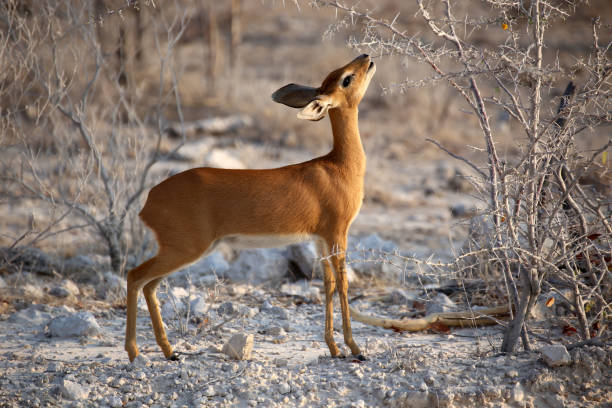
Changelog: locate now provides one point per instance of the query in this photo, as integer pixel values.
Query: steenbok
(193, 211)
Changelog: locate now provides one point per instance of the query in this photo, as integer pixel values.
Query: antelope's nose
(364, 56)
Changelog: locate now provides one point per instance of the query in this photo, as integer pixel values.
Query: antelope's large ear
(294, 95)
(316, 109)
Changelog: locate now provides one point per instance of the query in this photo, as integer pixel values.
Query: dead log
(474, 318)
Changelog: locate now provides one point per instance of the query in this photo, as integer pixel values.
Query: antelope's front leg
(340, 267)
(330, 286)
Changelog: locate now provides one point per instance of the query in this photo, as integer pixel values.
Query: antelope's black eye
(347, 81)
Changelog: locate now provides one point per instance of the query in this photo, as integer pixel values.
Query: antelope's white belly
(252, 241)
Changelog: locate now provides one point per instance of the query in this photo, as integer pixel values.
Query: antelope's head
(343, 88)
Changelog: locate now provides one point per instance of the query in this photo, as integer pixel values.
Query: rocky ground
(62, 345)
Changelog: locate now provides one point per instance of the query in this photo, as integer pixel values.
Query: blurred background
(102, 99)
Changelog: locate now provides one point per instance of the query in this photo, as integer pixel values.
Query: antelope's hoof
(360, 357)
(174, 357)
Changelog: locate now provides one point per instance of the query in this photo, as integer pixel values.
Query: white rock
(198, 306)
(440, 304)
(276, 331)
(399, 296)
(518, 394)
(31, 290)
(259, 266)
(551, 304)
(228, 308)
(77, 325)
(114, 401)
(32, 315)
(222, 159)
(178, 292)
(239, 346)
(284, 388)
(210, 391)
(306, 258)
(173, 308)
(197, 149)
(2, 283)
(303, 289)
(555, 355)
(204, 270)
(54, 367)
(64, 289)
(364, 249)
(112, 287)
(74, 391)
(279, 312)
(141, 361)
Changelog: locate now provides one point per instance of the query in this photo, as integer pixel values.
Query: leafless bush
(79, 136)
(544, 228)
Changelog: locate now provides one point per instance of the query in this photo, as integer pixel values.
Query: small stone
(460, 210)
(65, 289)
(111, 287)
(259, 266)
(555, 355)
(279, 312)
(141, 361)
(227, 308)
(80, 324)
(30, 290)
(239, 346)
(74, 391)
(305, 256)
(281, 362)
(440, 304)
(276, 331)
(54, 367)
(198, 306)
(284, 388)
(2, 283)
(302, 289)
(30, 316)
(114, 401)
(512, 374)
(517, 393)
(210, 391)
(399, 296)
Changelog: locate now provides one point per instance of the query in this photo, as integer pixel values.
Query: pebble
(517, 393)
(79, 324)
(275, 331)
(65, 289)
(74, 391)
(239, 346)
(198, 306)
(284, 388)
(114, 401)
(228, 308)
(440, 304)
(555, 355)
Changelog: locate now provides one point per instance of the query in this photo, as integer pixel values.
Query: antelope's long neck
(348, 150)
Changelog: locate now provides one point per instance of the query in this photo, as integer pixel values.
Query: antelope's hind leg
(147, 277)
(150, 294)
(339, 263)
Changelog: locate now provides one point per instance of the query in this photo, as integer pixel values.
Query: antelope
(192, 212)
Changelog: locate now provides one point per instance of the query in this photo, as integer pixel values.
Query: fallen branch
(482, 317)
